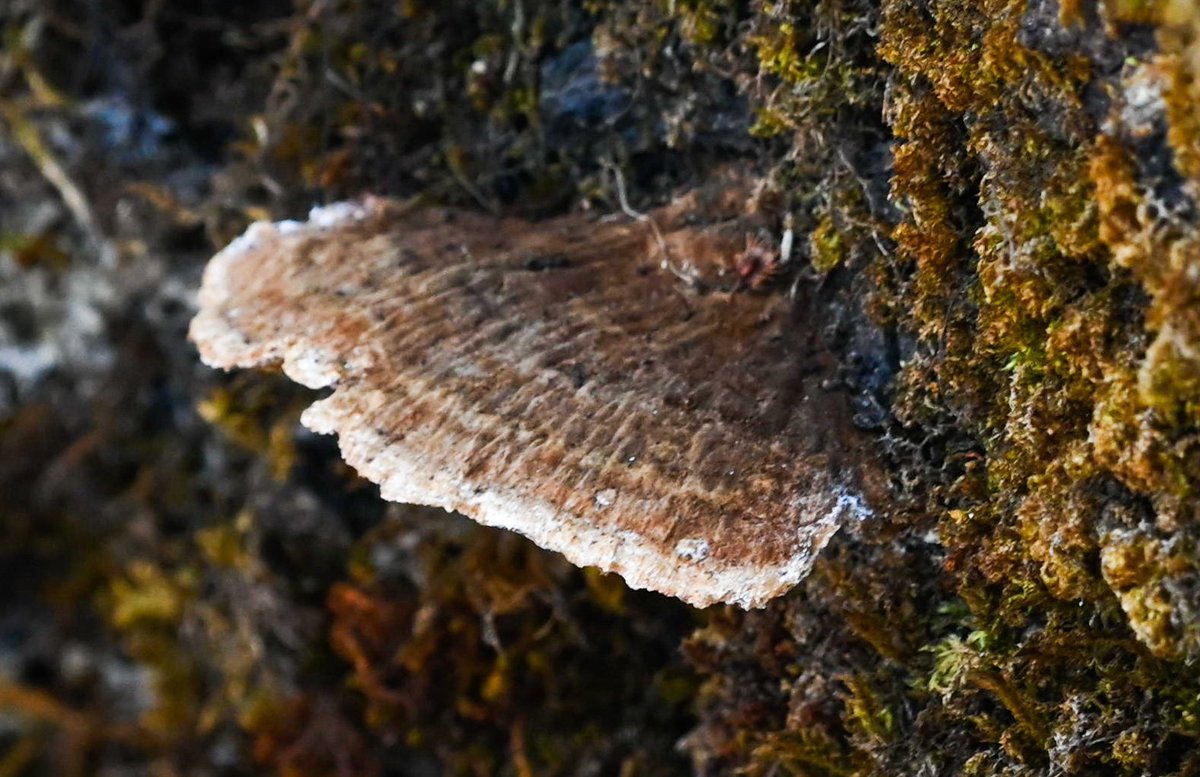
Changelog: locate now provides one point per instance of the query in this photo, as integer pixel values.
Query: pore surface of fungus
(652, 418)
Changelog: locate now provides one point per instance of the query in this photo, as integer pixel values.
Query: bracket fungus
(649, 416)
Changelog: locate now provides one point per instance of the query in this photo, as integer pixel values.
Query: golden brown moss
(1042, 263)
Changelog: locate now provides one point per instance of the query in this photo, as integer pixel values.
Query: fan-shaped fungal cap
(558, 379)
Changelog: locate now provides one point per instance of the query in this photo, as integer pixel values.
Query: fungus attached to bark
(609, 390)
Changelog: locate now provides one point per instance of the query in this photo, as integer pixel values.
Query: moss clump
(1043, 412)
(828, 247)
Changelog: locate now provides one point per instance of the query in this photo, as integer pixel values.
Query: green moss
(704, 22)
(828, 246)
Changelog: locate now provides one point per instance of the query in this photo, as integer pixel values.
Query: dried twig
(623, 200)
(30, 139)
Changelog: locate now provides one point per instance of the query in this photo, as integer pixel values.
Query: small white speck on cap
(606, 497)
(692, 549)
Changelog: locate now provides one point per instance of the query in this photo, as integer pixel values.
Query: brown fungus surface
(607, 387)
